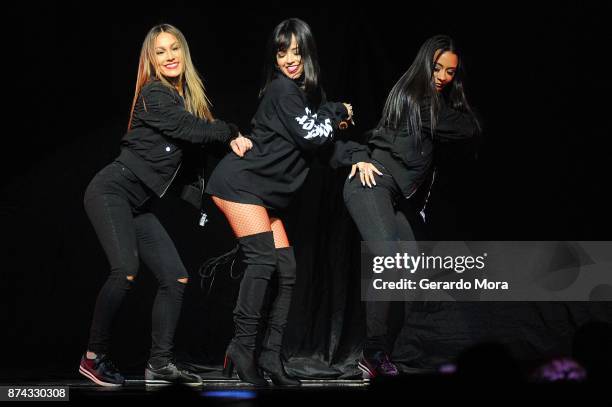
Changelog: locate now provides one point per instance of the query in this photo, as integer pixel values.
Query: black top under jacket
(161, 129)
(286, 132)
(407, 157)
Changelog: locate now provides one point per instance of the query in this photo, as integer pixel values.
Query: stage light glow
(231, 394)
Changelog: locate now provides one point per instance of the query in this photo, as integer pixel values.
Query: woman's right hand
(240, 145)
(366, 173)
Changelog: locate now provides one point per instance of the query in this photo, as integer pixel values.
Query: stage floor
(343, 393)
(216, 391)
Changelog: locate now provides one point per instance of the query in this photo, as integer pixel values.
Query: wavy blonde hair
(196, 101)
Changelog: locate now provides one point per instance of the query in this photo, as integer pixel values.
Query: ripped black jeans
(117, 204)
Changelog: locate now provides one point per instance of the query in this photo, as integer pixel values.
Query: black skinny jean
(382, 213)
(116, 202)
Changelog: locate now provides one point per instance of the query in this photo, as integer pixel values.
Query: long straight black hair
(416, 88)
(280, 41)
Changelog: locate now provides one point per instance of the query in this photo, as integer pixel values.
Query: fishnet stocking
(249, 219)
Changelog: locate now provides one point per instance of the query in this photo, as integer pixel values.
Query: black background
(537, 75)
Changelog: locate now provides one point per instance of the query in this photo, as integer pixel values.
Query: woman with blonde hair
(170, 113)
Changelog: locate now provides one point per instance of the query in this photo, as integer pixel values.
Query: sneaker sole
(149, 381)
(157, 383)
(97, 381)
(367, 373)
(162, 383)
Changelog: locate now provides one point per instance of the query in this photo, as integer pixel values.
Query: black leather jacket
(161, 129)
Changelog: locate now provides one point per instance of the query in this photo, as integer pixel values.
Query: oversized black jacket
(161, 129)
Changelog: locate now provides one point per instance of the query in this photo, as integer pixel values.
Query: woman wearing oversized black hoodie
(292, 121)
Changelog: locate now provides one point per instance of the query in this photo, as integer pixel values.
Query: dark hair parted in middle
(416, 89)
(280, 41)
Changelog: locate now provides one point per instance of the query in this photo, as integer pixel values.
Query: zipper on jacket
(433, 178)
(171, 179)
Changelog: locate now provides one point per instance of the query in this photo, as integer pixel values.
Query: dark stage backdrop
(536, 76)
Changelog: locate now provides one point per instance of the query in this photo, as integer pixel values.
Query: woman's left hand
(366, 173)
(240, 145)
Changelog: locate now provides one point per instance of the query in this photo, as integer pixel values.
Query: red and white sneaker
(101, 371)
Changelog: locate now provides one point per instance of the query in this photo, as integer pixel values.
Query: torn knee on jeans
(183, 280)
(130, 278)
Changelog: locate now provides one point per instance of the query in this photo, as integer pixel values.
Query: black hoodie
(407, 157)
(286, 132)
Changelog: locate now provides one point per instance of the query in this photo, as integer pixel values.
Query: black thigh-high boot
(260, 257)
(270, 358)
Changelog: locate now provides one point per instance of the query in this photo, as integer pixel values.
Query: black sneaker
(101, 371)
(378, 364)
(170, 374)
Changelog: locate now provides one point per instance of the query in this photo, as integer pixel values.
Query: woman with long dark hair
(427, 103)
(170, 113)
(293, 119)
